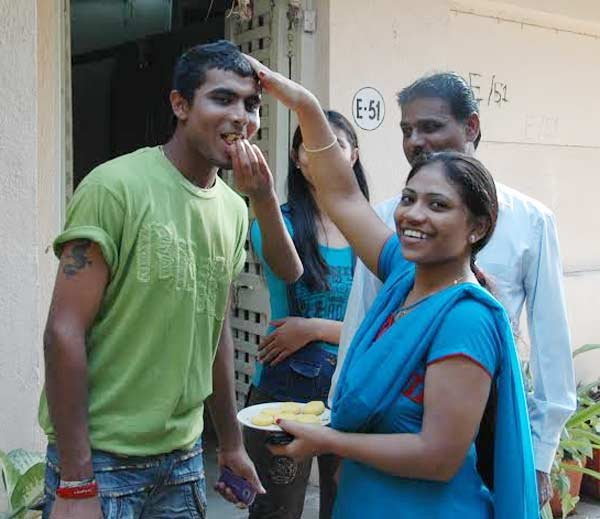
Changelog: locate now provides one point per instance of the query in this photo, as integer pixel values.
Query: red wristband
(80, 492)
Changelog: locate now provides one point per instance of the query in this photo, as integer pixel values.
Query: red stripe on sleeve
(464, 356)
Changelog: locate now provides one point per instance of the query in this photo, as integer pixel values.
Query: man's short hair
(191, 67)
(448, 86)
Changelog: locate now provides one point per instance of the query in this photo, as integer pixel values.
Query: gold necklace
(403, 310)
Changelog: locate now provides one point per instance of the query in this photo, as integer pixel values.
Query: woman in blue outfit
(298, 356)
(419, 373)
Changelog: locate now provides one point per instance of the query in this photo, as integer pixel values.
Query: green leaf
(10, 473)
(23, 460)
(578, 445)
(591, 437)
(577, 468)
(563, 484)
(569, 503)
(546, 512)
(29, 488)
(24, 513)
(584, 348)
(18, 514)
(586, 388)
(23, 478)
(583, 415)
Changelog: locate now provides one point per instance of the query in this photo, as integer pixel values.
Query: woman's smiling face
(432, 221)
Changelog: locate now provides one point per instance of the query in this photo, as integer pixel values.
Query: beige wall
(30, 194)
(541, 141)
(312, 52)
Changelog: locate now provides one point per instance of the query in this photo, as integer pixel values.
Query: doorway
(123, 54)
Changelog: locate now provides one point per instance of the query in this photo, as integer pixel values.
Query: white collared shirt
(522, 260)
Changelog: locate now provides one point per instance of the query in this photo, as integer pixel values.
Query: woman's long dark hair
(301, 208)
(478, 192)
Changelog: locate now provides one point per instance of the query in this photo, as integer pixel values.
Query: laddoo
(308, 418)
(262, 419)
(315, 408)
(290, 407)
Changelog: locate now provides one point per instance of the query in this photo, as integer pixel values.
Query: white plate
(245, 416)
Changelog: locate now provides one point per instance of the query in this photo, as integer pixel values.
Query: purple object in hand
(238, 485)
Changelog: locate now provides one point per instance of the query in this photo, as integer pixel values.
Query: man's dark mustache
(420, 157)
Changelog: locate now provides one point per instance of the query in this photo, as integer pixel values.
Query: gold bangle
(317, 150)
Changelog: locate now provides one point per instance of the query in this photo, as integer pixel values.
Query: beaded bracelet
(317, 150)
(75, 483)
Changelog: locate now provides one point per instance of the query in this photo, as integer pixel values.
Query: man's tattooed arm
(78, 258)
(78, 294)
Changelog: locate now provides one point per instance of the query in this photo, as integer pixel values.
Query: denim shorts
(303, 376)
(167, 485)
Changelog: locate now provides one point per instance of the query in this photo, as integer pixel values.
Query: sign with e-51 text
(368, 108)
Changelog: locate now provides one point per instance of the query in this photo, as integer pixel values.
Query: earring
(472, 238)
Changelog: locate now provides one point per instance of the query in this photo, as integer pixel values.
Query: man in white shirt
(522, 259)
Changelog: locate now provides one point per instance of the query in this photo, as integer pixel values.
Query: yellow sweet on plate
(315, 408)
(262, 419)
(290, 407)
(287, 416)
(270, 411)
(308, 418)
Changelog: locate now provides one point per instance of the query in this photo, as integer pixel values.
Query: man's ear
(472, 127)
(179, 105)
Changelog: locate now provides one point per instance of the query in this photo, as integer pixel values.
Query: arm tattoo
(78, 258)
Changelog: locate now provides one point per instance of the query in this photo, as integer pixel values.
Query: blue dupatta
(373, 378)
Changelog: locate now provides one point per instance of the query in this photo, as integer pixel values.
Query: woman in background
(298, 356)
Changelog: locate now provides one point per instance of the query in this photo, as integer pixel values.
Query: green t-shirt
(172, 249)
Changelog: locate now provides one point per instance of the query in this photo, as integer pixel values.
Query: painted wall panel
(19, 320)
(537, 78)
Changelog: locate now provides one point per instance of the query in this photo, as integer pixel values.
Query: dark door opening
(123, 58)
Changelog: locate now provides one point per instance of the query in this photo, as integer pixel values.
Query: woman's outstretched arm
(331, 174)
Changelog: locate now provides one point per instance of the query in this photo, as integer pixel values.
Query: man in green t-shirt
(138, 337)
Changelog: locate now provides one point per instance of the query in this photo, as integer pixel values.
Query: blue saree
(373, 378)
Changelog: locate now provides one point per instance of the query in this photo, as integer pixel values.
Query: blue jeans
(150, 487)
(303, 376)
